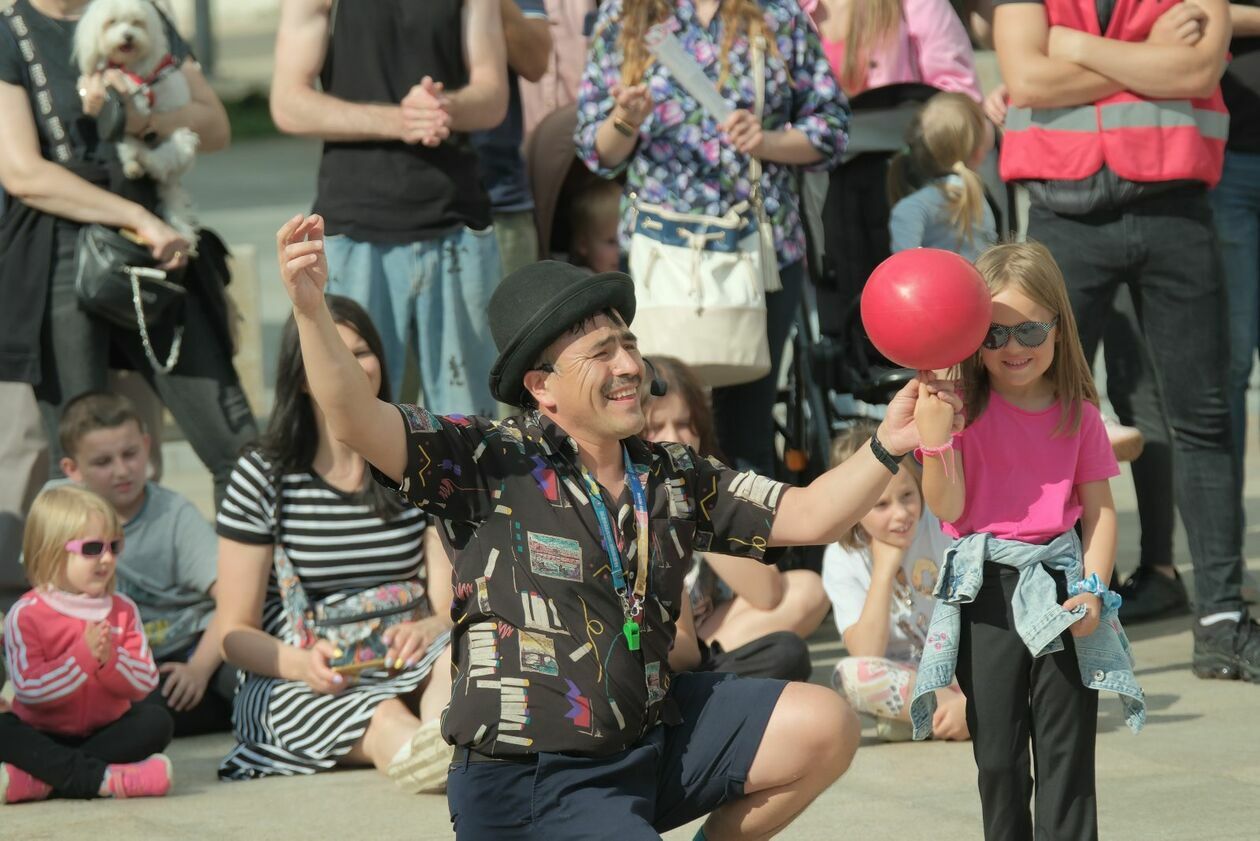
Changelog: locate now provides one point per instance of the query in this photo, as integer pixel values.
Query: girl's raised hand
(934, 414)
(303, 265)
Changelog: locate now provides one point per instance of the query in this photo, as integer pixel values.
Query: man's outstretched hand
(898, 432)
(303, 265)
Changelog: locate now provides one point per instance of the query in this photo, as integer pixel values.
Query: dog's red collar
(145, 83)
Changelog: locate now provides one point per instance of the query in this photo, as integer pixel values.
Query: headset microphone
(657, 387)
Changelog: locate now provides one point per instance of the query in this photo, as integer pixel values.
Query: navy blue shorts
(670, 777)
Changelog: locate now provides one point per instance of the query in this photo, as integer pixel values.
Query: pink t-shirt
(1022, 478)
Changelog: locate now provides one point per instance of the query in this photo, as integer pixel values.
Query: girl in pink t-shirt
(1033, 459)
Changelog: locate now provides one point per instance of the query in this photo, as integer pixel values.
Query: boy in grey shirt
(169, 563)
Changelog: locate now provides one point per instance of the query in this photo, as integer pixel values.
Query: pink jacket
(58, 684)
(932, 47)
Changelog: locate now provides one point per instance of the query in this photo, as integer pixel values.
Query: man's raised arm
(369, 426)
(828, 507)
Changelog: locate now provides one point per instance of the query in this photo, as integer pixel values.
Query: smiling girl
(1024, 615)
(879, 578)
(79, 659)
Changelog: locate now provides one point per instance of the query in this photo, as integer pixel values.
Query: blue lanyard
(639, 496)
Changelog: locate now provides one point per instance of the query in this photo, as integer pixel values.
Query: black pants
(75, 767)
(1165, 249)
(1014, 699)
(213, 714)
(203, 391)
(1134, 393)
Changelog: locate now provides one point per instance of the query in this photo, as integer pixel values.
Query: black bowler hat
(535, 304)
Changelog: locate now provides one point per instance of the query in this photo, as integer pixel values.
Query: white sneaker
(421, 766)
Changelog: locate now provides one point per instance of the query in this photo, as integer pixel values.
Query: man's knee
(823, 727)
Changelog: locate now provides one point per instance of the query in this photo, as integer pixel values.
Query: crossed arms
(1057, 67)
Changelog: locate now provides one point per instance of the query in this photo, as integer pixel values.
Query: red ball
(926, 308)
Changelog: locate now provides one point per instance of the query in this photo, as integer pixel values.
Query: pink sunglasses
(96, 547)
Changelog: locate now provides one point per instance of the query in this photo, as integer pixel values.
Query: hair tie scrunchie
(1092, 584)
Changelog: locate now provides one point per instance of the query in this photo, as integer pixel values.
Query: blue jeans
(1236, 208)
(1164, 248)
(440, 289)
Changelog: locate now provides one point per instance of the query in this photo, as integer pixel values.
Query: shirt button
(1099, 674)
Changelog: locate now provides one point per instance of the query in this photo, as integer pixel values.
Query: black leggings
(75, 766)
(1014, 699)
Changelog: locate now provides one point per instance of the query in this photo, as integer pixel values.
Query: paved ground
(1193, 773)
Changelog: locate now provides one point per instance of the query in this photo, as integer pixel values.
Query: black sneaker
(1228, 650)
(1149, 594)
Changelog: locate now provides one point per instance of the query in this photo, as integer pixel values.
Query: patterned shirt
(681, 162)
(541, 661)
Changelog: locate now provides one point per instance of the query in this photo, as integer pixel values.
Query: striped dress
(336, 545)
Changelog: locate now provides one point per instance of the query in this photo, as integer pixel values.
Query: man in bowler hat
(569, 535)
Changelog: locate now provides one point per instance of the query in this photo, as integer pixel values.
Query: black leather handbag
(117, 280)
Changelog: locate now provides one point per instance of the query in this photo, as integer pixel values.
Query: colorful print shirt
(541, 662)
(681, 161)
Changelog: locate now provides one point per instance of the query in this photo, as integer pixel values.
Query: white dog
(129, 36)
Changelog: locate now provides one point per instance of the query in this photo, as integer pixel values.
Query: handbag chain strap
(39, 80)
(172, 358)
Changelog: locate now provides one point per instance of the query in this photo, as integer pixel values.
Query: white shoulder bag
(701, 281)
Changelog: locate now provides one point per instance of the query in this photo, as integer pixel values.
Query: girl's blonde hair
(872, 23)
(638, 16)
(59, 515)
(844, 445)
(941, 139)
(1030, 268)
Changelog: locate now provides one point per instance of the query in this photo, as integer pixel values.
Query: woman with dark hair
(735, 606)
(307, 495)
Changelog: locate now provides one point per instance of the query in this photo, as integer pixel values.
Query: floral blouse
(682, 161)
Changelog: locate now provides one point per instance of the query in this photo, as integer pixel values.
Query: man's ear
(71, 468)
(536, 384)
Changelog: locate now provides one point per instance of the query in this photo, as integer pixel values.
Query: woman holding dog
(59, 166)
(634, 117)
(306, 496)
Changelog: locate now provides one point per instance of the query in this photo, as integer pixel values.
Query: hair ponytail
(942, 137)
(966, 203)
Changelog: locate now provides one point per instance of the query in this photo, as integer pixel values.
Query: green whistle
(631, 630)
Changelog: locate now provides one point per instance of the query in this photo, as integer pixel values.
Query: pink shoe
(151, 778)
(17, 786)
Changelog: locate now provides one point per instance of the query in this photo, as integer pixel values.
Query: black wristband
(884, 457)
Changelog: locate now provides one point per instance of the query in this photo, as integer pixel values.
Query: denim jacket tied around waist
(1104, 658)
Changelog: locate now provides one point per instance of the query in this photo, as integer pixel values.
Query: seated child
(594, 214)
(78, 658)
(744, 617)
(880, 579)
(937, 196)
(171, 563)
